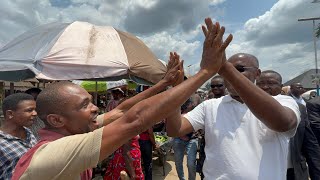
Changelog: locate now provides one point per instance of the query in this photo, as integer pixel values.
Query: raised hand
(213, 55)
(180, 77)
(173, 69)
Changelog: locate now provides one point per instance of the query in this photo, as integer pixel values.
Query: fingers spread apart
(214, 35)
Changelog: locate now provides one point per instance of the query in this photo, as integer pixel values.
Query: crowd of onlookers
(246, 127)
(135, 157)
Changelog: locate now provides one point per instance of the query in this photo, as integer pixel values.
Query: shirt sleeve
(100, 120)
(290, 103)
(196, 117)
(65, 158)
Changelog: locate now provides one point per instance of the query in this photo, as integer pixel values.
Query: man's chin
(93, 127)
(29, 123)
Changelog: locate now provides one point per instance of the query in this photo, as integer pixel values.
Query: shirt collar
(9, 136)
(228, 98)
(47, 135)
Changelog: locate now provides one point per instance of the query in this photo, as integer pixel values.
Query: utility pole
(315, 48)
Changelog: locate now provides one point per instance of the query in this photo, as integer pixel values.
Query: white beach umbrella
(78, 50)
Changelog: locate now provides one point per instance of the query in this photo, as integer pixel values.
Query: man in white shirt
(247, 131)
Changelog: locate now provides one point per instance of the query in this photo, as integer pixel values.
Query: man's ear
(9, 114)
(258, 73)
(55, 120)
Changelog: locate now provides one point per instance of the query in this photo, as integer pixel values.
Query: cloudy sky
(266, 28)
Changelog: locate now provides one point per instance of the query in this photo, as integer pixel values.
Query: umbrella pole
(96, 95)
(11, 87)
(2, 91)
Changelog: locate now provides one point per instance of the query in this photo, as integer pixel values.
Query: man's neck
(296, 96)
(14, 130)
(59, 131)
(216, 96)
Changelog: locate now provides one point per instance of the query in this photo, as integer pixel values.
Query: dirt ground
(170, 169)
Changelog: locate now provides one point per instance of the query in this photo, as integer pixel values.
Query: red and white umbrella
(79, 50)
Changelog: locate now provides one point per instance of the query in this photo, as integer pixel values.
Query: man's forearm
(119, 111)
(173, 123)
(263, 106)
(126, 105)
(168, 101)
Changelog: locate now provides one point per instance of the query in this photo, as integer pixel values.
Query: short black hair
(51, 101)
(33, 90)
(273, 72)
(11, 102)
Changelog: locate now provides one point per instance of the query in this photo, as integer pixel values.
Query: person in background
(210, 95)
(285, 90)
(312, 94)
(118, 95)
(296, 90)
(126, 159)
(187, 143)
(217, 86)
(303, 147)
(147, 143)
(313, 109)
(38, 123)
(15, 138)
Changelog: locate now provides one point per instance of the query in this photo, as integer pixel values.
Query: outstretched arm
(178, 125)
(156, 108)
(169, 79)
(277, 117)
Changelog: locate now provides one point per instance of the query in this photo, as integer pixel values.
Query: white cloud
(280, 24)
(277, 38)
(216, 2)
(162, 37)
(163, 43)
(165, 15)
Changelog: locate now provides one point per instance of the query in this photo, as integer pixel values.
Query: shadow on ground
(157, 171)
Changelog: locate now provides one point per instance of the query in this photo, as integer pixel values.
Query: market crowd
(247, 126)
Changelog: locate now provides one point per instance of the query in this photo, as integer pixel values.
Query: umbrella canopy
(78, 50)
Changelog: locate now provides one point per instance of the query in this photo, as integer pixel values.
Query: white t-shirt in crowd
(238, 145)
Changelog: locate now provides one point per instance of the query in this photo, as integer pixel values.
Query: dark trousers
(316, 131)
(290, 174)
(146, 154)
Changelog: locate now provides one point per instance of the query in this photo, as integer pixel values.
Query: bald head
(248, 58)
(273, 73)
(247, 65)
